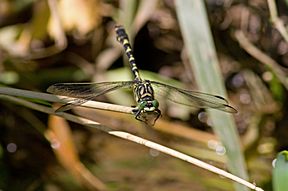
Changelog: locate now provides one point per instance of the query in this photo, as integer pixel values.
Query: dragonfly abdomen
(122, 37)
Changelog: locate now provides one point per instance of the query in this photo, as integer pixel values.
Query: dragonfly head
(148, 105)
(147, 111)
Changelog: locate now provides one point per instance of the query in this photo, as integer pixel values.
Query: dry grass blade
(60, 138)
(262, 57)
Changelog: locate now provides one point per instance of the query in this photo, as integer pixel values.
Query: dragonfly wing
(83, 92)
(192, 98)
(71, 104)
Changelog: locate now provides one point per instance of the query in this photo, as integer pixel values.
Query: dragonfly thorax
(143, 91)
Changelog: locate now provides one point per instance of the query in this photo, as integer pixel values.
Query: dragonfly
(144, 90)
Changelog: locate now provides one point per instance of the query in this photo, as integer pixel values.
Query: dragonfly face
(144, 96)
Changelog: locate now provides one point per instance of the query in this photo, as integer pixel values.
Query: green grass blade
(280, 172)
(202, 55)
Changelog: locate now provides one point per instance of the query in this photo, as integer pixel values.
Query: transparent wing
(83, 92)
(192, 98)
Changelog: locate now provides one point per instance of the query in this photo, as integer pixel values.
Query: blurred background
(43, 42)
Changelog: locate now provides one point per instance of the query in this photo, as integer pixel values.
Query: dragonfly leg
(158, 115)
(137, 113)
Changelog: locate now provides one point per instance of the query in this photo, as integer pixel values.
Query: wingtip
(53, 88)
(49, 89)
(231, 109)
(222, 98)
(63, 108)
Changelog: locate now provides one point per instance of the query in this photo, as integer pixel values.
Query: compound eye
(142, 104)
(155, 103)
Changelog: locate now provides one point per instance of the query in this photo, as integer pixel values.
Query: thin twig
(133, 138)
(277, 22)
(184, 157)
(261, 57)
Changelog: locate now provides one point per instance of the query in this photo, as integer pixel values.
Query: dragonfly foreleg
(158, 115)
(142, 115)
(137, 113)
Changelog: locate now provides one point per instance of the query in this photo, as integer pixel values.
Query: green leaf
(280, 172)
(201, 52)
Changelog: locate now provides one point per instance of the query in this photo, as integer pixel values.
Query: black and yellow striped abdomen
(122, 37)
